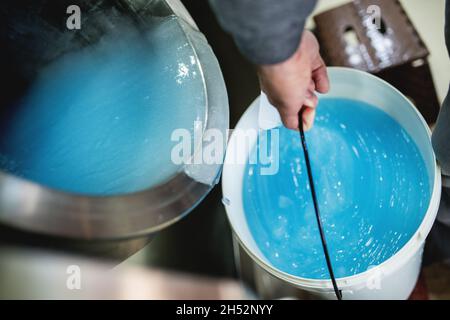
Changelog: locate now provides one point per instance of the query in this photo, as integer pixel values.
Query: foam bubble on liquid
(371, 190)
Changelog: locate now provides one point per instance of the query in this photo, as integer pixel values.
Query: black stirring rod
(316, 206)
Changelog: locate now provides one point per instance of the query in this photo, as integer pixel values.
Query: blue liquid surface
(99, 121)
(372, 187)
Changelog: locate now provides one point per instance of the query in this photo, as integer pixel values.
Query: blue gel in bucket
(371, 183)
(99, 120)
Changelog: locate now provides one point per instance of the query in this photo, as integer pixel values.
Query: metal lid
(34, 207)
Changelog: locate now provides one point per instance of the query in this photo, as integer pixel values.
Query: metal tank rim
(28, 206)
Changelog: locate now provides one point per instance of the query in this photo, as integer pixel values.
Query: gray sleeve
(441, 137)
(441, 133)
(266, 31)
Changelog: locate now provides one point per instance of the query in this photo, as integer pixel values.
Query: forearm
(266, 31)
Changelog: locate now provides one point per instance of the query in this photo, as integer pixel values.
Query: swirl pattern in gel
(372, 187)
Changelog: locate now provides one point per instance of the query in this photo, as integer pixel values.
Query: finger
(320, 77)
(312, 86)
(309, 115)
(289, 117)
(311, 100)
(290, 121)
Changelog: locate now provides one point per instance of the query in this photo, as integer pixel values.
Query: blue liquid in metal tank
(372, 187)
(99, 121)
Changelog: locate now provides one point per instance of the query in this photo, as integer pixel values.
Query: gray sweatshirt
(441, 134)
(266, 31)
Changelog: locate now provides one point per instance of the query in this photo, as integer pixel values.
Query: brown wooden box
(392, 49)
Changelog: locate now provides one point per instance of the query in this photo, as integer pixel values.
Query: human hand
(291, 84)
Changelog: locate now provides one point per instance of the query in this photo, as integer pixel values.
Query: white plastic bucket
(395, 278)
